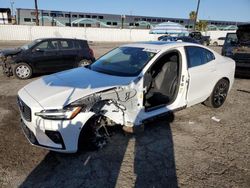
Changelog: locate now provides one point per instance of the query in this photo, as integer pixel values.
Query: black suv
(237, 47)
(46, 56)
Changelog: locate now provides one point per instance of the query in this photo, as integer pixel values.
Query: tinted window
(198, 56)
(66, 44)
(123, 61)
(80, 44)
(48, 45)
(231, 39)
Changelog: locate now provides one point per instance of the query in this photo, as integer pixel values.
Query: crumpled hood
(60, 89)
(10, 51)
(243, 34)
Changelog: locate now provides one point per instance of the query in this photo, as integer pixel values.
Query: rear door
(68, 53)
(202, 74)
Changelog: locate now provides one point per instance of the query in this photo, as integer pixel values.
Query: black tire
(219, 94)
(84, 62)
(89, 139)
(22, 71)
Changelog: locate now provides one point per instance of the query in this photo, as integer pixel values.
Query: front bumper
(40, 131)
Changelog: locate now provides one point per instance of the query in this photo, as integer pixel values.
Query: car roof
(59, 38)
(160, 45)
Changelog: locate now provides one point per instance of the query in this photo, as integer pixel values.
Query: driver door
(46, 56)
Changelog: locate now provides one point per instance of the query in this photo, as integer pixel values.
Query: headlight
(71, 110)
(62, 114)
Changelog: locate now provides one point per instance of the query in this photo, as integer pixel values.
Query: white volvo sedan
(127, 86)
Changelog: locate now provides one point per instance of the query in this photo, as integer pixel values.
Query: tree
(192, 15)
(201, 25)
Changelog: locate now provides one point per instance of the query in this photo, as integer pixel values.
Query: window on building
(53, 14)
(67, 24)
(27, 19)
(67, 15)
(153, 20)
(131, 24)
(33, 20)
(137, 24)
(74, 16)
(144, 19)
(108, 23)
(60, 15)
(88, 25)
(100, 17)
(87, 16)
(75, 25)
(114, 23)
(81, 16)
(148, 20)
(81, 25)
(158, 20)
(45, 14)
(181, 21)
(163, 20)
(94, 16)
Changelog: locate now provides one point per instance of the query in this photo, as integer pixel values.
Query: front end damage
(6, 63)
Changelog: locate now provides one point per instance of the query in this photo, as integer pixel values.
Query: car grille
(25, 110)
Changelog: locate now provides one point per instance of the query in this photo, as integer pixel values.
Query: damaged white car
(127, 86)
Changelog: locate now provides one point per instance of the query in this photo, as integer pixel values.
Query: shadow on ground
(142, 160)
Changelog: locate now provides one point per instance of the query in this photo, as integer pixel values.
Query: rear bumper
(242, 68)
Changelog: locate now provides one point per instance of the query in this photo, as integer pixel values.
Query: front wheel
(219, 94)
(22, 71)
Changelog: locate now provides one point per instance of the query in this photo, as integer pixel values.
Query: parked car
(218, 42)
(204, 40)
(181, 38)
(237, 47)
(128, 86)
(46, 56)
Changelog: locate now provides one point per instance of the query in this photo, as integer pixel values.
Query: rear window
(81, 44)
(231, 38)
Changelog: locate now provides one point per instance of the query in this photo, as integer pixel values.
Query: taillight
(91, 52)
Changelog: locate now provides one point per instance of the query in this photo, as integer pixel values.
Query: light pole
(36, 8)
(196, 13)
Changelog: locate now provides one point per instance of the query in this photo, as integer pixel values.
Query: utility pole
(12, 8)
(196, 13)
(37, 20)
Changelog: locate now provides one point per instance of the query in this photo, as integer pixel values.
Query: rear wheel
(84, 63)
(22, 71)
(219, 94)
(215, 43)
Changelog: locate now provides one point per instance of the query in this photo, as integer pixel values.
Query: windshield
(231, 39)
(123, 61)
(28, 46)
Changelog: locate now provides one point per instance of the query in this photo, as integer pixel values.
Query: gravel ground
(188, 150)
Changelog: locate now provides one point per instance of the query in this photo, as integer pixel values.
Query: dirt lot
(191, 151)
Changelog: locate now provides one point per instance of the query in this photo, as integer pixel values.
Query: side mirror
(39, 50)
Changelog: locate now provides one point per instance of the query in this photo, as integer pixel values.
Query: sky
(225, 10)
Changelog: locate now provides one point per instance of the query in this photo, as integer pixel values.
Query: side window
(80, 44)
(198, 56)
(48, 45)
(66, 44)
(42, 45)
